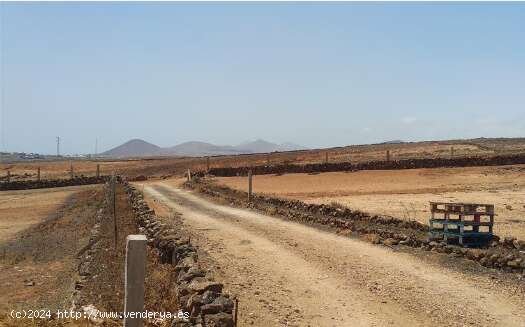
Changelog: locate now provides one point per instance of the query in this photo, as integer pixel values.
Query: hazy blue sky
(314, 74)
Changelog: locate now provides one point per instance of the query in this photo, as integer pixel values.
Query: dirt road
(288, 274)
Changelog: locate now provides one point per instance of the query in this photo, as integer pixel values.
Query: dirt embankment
(50, 183)
(507, 254)
(372, 165)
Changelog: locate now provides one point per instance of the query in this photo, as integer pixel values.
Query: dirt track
(290, 274)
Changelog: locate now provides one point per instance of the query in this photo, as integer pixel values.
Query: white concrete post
(135, 272)
(189, 175)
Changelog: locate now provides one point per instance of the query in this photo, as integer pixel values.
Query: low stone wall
(372, 165)
(85, 257)
(507, 254)
(197, 293)
(49, 183)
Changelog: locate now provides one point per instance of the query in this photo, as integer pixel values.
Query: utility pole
(58, 146)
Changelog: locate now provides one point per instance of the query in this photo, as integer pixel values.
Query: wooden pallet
(468, 224)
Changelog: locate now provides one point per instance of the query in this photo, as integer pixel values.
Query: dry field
(42, 230)
(406, 193)
(20, 210)
(161, 166)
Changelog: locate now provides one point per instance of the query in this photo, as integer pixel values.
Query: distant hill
(194, 148)
(138, 148)
(134, 148)
(262, 146)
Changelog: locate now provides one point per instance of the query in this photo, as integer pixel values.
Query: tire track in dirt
(288, 273)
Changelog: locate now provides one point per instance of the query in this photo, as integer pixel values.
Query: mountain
(262, 146)
(287, 146)
(137, 148)
(258, 146)
(194, 149)
(134, 148)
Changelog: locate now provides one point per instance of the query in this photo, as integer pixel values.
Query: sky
(315, 74)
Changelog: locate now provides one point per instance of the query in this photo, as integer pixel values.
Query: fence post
(236, 304)
(189, 175)
(98, 170)
(71, 170)
(249, 185)
(268, 159)
(451, 151)
(387, 155)
(207, 164)
(135, 271)
(38, 174)
(326, 157)
(114, 200)
(8, 176)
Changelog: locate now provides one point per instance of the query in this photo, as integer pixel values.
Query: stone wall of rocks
(49, 183)
(507, 254)
(203, 298)
(372, 165)
(85, 255)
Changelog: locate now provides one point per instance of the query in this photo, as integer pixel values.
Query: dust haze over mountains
(140, 148)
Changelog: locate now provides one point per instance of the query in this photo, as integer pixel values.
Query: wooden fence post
(98, 170)
(451, 151)
(387, 155)
(326, 157)
(207, 164)
(249, 185)
(8, 176)
(38, 174)
(71, 170)
(236, 310)
(135, 271)
(114, 200)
